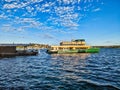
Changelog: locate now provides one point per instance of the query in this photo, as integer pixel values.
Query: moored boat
(74, 46)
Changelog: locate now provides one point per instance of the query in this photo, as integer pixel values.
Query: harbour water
(98, 71)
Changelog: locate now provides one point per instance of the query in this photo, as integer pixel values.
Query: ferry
(73, 46)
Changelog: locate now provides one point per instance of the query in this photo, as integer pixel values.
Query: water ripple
(99, 71)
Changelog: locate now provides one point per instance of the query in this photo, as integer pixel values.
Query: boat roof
(79, 40)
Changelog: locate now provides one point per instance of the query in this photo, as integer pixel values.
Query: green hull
(91, 50)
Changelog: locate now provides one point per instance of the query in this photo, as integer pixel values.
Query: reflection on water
(75, 61)
(76, 64)
(77, 56)
(100, 71)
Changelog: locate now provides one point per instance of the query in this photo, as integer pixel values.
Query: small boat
(27, 52)
(73, 46)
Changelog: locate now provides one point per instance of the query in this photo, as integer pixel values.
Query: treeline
(112, 46)
(33, 45)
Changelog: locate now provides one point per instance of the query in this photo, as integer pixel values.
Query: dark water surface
(99, 71)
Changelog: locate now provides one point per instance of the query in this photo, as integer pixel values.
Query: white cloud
(48, 36)
(7, 27)
(11, 28)
(9, 0)
(36, 1)
(29, 9)
(3, 16)
(14, 5)
(62, 13)
(96, 10)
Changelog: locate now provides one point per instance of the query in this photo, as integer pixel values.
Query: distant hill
(38, 46)
(111, 46)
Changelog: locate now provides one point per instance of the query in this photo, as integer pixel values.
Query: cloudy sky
(52, 21)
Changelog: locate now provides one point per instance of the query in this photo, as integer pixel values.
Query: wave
(89, 85)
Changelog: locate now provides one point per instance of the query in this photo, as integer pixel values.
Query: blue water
(100, 71)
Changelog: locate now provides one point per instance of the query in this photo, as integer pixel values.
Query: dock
(8, 50)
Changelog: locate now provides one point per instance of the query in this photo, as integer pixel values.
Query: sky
(53, 21)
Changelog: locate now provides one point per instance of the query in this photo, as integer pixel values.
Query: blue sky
(52, 21)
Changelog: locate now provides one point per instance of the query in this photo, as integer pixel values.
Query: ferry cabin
(72, 45)
(69, 47)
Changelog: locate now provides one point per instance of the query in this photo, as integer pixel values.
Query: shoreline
(111, 46)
